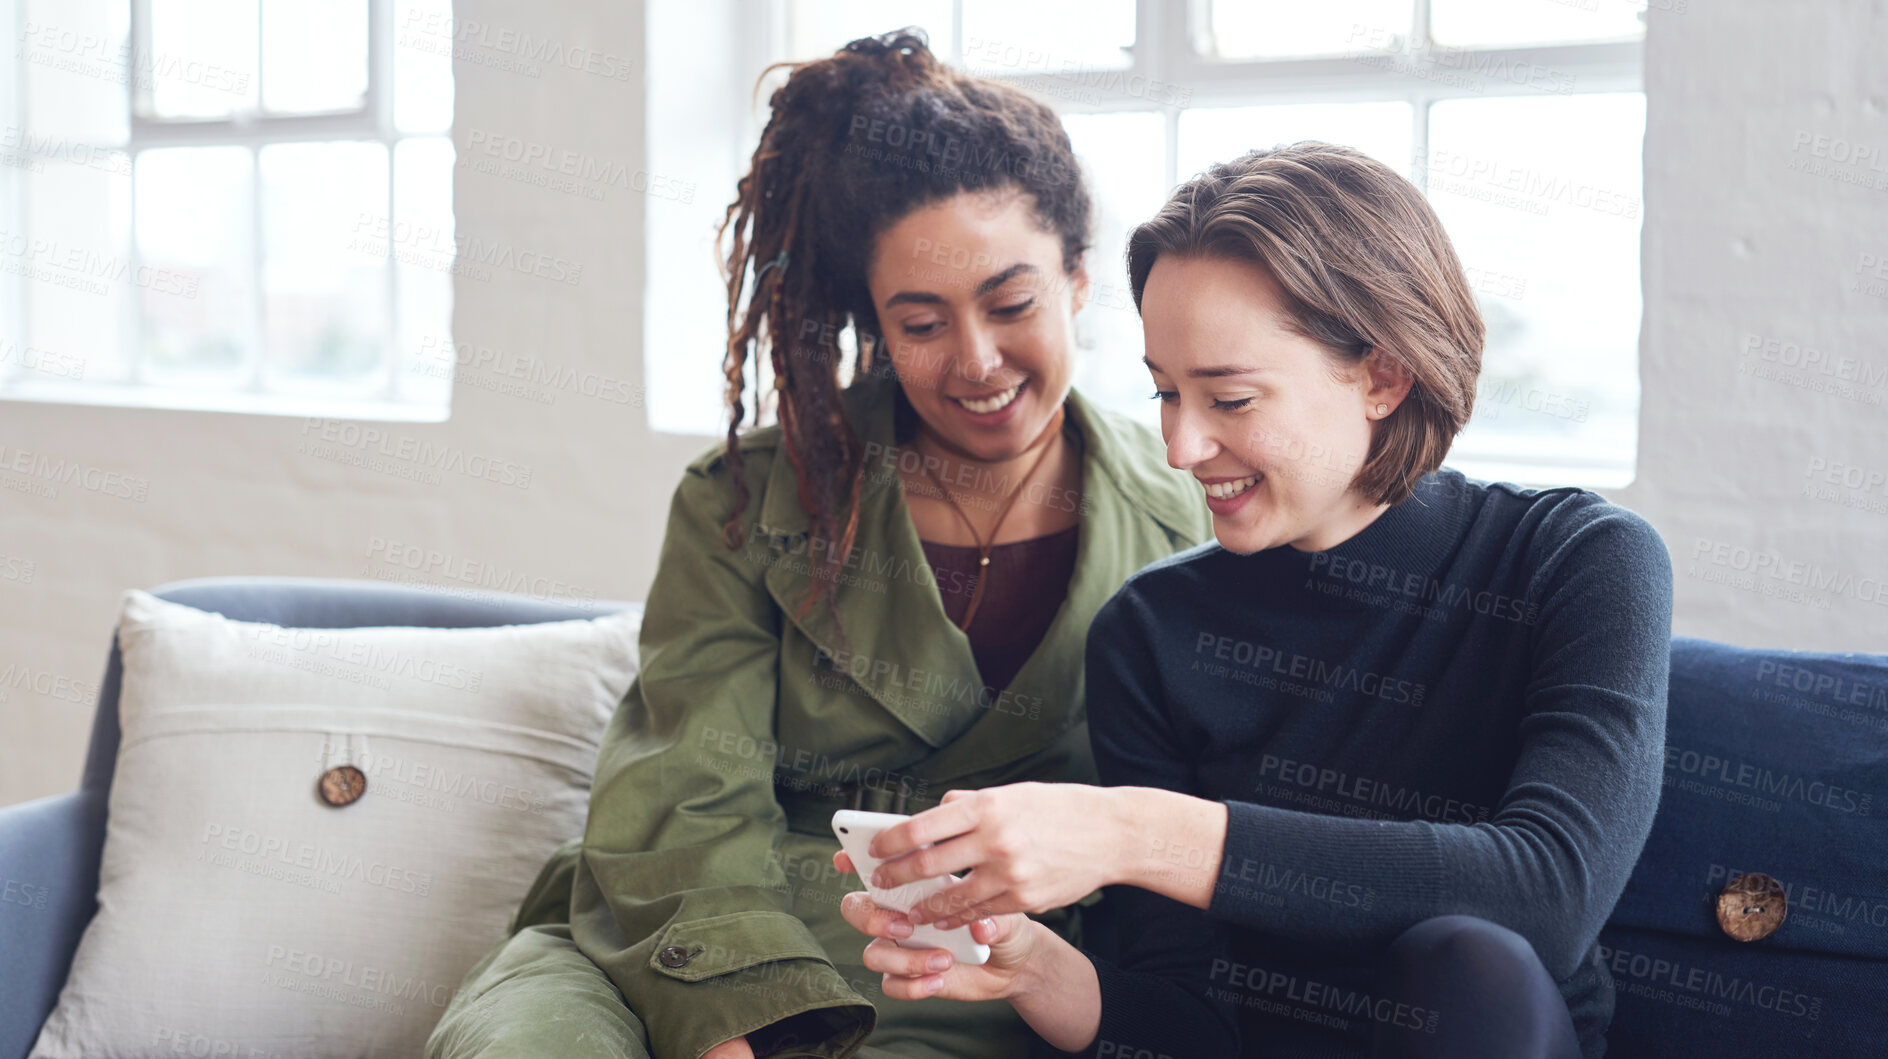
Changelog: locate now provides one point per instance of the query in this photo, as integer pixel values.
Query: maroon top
(1027, 581)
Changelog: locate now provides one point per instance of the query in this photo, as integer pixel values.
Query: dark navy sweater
(1461, 709)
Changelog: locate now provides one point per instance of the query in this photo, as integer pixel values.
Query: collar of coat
(898, 641)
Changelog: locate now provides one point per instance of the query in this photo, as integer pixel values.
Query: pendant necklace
(983, 548)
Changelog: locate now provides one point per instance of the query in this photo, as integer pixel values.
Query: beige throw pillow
(242, 914)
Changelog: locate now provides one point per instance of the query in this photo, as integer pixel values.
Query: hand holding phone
(855, 830)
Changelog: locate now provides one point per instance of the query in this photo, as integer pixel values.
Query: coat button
(675, 956)
(341, 785)
(1751, 906)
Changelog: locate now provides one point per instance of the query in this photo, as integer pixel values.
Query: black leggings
(1490, 996)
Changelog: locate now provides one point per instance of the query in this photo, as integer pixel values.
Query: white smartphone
(856, 829)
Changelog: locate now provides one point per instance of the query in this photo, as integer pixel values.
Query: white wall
(1739, 242)
(1762, 234)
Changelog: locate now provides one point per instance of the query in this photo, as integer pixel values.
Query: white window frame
(1169, 37)
(373, 122)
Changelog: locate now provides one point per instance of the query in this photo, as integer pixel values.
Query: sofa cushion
(246, 908)
(1775, 762)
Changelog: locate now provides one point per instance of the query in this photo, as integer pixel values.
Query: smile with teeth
(995, 403)
(1228, 490)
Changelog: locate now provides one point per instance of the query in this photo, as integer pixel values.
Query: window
(233, 205)
(1520, 119)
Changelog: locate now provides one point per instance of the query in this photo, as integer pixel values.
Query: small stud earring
(1383, 410)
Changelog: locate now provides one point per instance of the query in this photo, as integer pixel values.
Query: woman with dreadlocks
(882, 597)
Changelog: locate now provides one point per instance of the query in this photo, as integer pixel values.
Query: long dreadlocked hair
(855, 143)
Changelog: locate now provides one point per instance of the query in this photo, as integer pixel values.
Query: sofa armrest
(49, 851)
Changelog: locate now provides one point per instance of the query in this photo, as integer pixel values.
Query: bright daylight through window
(235, 205)
(1520, 119)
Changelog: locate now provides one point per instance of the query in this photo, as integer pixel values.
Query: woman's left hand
(1016, 945)
(1030, 847)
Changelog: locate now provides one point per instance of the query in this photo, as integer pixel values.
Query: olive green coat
(710, 906)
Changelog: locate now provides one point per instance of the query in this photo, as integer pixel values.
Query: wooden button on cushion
(1751, 906)
(341, 785)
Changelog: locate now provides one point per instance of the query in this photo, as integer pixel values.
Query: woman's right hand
(910, 974)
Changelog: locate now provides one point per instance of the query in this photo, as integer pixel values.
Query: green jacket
(705, 889)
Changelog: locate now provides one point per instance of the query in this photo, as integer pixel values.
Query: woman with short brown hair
(1380, 759)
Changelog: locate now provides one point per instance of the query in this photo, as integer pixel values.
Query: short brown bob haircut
(1365, 265)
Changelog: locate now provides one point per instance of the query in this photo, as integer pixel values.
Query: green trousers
(536, 994)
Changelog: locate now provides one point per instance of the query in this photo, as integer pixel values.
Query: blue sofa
(1776, 762)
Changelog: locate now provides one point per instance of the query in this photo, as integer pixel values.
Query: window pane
(817, 28)
(12, 300)
(194, 223)
(422, 68)
(71, 59)
(1294, 29)
(1542, 200)
(1220, 134)
(314, 56)
(1047, 36)
(422, 197)
(202, 59)
(1489, 23)
(325, 242)
(74, 262)
(1122, 158)
(685, 303)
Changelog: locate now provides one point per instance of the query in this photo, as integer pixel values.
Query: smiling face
(979, 318)
(1272, 425)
